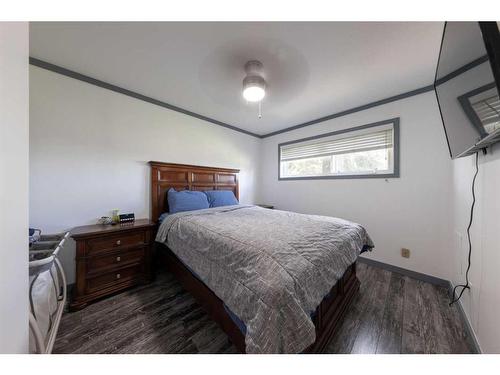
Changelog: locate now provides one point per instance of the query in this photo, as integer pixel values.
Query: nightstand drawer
(99, 264)
(98, 245)
(116, 277)
(111, 258)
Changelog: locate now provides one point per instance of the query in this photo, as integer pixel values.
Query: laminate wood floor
(391, 314)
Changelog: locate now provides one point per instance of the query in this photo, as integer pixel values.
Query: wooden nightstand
(110, 258)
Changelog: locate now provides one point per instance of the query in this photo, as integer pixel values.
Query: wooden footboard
(326, 319)
(332, 309)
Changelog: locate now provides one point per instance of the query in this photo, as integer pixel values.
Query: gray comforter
(271, 268)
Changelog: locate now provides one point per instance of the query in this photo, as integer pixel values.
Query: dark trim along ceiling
(133, 94)
(109, 86)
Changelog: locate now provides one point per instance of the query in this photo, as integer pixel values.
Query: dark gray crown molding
(353, 110)
(81, 77)
(405, 95)
(133, 94)
(462, 69)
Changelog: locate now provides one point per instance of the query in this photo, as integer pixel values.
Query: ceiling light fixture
(254, 85)
(254, 89)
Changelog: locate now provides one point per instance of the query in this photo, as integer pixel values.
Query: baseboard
(468, 325)
(432, 280)
(403, 271)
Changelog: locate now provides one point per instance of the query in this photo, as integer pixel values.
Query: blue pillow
(217, 198)
(186, 200)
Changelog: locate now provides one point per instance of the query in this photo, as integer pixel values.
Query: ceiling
(312, 69)
(461, 45)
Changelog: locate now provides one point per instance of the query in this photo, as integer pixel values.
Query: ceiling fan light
(254, 88)
(254, 93)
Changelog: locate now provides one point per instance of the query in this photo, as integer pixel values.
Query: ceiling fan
(254, 85)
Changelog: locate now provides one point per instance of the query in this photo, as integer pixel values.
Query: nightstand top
(101, 229)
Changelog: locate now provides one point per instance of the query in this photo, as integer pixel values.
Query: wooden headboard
(187, 177)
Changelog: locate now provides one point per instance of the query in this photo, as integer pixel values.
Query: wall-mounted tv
(467, 85)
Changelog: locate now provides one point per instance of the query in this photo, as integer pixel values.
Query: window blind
(380, 139)
(488, 110)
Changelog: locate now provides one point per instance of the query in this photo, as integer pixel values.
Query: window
(365, 151)
(482, 107)
(488, 111)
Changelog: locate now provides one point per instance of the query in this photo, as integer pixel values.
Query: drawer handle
(118, 259)
(118, 242)
(118, 276)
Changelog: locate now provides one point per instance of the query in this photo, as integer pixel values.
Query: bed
(274, 281)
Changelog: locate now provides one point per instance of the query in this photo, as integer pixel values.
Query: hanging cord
(466, 286)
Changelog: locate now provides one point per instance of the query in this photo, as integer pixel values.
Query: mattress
(271, 268)
(240, 323)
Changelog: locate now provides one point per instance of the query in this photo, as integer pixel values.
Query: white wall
(411, 211)
(482, 302)
(89, 149)
(14, 187)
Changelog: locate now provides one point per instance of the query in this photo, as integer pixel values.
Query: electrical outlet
(405, 253)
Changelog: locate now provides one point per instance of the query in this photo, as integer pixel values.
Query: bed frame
(189, 177)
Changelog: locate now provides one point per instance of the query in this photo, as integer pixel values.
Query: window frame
(396, 169)
(465, 103)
